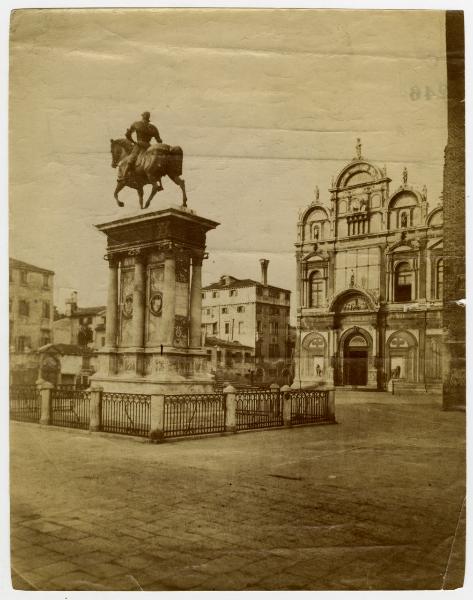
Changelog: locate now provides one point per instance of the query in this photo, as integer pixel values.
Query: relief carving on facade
(181, 327)
(355, 304)
(182, 269)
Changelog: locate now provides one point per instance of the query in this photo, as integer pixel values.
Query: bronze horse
(152, 164)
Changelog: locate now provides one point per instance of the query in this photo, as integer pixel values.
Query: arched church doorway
(355, 360)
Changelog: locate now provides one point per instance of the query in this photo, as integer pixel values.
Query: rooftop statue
(140, 163)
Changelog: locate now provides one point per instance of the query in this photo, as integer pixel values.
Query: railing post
(156, 433)
(286, 405)
(274, 403)
(45, 389)
(331, 403)
(95, 422)
(230, 409)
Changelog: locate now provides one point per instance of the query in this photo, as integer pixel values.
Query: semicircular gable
(435, 217)
(358, 173)
(315, 212)
(404, 199)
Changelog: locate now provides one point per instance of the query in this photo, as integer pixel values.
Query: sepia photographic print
(236, 299)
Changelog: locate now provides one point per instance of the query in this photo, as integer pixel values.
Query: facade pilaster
(112, 303)
(196, 303)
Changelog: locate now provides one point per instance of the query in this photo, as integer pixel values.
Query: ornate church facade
(370, 283)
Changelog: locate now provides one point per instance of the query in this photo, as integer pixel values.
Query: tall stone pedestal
(153, 328)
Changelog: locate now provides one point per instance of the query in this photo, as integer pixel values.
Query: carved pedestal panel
(154, 304)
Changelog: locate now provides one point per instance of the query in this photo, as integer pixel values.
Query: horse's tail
(175, 159)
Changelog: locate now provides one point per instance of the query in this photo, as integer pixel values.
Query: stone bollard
(230, 409)
(156, 433)
(45, 389)
(274, 407)
(331, 403)
(95, 423)
(286, 405)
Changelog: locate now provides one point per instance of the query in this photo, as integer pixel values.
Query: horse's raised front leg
(155, 188)
(120, 186)
(182, 184)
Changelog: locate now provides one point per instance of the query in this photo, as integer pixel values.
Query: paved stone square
(374, 502)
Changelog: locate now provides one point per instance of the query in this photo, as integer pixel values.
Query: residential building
(78, 334)
(31, 317)
(245, 325)
(370, 283)
(84, 326)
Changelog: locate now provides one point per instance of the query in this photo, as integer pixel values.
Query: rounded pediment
(358, 173)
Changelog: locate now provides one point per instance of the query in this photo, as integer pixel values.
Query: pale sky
(265, 104)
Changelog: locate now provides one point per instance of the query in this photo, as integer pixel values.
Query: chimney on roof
(264, 270)
(226, 279)
(71, 304)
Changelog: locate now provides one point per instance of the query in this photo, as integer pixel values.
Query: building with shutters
(246, 330)
(370, 282)
(30, 317)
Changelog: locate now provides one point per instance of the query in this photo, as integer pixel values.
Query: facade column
(196, 303)
(331, 273)
(422, 271)
(169, 297)
(139, 302)
(112, 303)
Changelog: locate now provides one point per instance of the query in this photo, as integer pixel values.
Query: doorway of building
(355, 363)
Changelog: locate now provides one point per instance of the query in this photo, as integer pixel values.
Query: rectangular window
(219, 356)
(240, 326)
(227, 327)
(24, 308)
(24, 277)
(45, 280)
(240, 309)
(258, 326)
(225, 310)
(46, 310)
(316, 293)
(208, 311)
(214, 329)
(22, 343)
(259, 291)
(274, 327)
(273, 351)
(214, 294)
(233, 292)
(209, 355)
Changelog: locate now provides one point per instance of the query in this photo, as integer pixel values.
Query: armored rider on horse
(140, 163)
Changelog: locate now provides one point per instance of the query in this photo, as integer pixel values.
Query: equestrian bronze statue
(140, 163)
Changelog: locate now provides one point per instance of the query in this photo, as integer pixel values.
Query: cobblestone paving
(374, 502)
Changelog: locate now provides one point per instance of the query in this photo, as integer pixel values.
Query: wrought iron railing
(129, 414)
(70, 408)
(258, 409)
(309, 406)
(193, 414)
(25, 403)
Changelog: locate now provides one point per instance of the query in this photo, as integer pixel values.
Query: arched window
(317, 289)
(403, 283)
(439, 280)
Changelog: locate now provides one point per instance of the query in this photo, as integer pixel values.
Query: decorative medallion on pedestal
(156, 304)
(128, 306)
